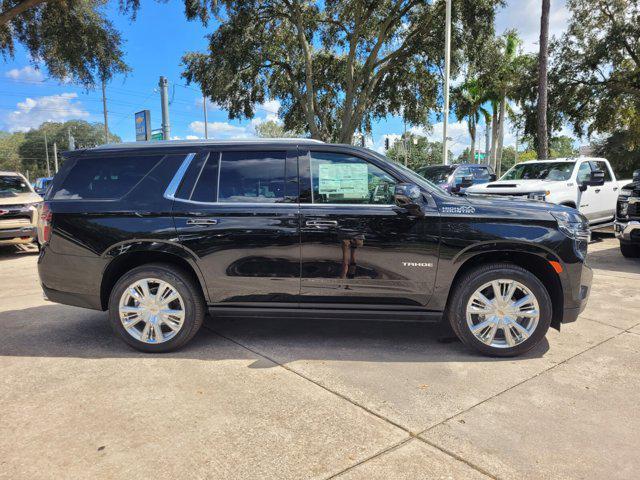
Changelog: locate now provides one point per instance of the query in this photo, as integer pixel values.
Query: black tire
(195, 307)
(630, 250)
(474, 279)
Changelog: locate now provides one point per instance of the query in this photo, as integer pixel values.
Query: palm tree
(508, 71)
(469, 99)
(543, 60)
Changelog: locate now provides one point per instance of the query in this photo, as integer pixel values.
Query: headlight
(542, 196)
(573, 225)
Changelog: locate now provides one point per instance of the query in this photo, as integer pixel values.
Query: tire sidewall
(482, 276)
(178, 281)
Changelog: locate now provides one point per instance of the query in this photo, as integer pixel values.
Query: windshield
(540, 171)
(13, 184)
(436, 174)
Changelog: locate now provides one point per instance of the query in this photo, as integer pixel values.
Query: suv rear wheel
(501, 310)
(156, 308)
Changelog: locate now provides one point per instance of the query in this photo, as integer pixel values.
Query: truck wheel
(156, 308)
(500, 309)
(629, 250)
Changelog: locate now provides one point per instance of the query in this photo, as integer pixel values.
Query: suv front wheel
(501, 310)
(156, 308)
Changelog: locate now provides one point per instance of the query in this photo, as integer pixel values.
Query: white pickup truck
(585, 183)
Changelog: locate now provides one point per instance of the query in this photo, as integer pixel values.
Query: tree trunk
(472, 134)
(13, 12)
(503, 112)
(495, 126)
(543, 59)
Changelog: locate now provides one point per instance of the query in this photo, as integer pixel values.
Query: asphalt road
(288, 399)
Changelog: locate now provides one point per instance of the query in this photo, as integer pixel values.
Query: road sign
(157, 135)
(143, 126)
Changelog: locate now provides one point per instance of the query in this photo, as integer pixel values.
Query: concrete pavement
(309, 399)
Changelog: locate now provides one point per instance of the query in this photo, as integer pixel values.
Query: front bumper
(627, 231)
(579, 301)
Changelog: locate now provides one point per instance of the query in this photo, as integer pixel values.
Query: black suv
(159, 233)
(627, 224)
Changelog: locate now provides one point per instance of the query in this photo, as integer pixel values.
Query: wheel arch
(125, 256)
(535, 260)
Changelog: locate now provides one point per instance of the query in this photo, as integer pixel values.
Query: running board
(385, 315)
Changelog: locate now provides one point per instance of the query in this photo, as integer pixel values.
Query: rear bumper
(627, 231)
(18, 235)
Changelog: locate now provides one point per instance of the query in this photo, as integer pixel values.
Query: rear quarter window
(104, 178)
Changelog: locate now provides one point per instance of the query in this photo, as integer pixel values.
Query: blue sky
(154, 45)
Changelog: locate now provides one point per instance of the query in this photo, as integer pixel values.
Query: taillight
(45, 222)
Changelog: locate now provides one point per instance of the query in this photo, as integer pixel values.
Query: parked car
(627, 225)
(587, 184)
(157, 233)
(41, 184)
(18, 209)
(457, 178)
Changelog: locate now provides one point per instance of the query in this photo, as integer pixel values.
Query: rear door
(357, 246)
(237, 211)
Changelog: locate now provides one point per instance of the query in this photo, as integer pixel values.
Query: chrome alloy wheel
(502, 313)
(151, 310)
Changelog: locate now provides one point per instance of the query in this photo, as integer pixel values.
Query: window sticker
(346, 180)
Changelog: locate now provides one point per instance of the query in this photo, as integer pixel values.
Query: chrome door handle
(597, 190)
(202, 221)
(321, 223)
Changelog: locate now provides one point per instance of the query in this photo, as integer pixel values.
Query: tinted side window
(252, 177)
(603, 166)
(341, 178)
(206, 188)
(105, 178)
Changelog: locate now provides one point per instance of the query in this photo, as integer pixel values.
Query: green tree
(469, 100)
(335, 66)
(417, 150)
(32, 148)
(9, 151)
(273, 129)
(73, 38)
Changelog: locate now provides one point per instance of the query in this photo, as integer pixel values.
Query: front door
(357, 246)
(237, 211)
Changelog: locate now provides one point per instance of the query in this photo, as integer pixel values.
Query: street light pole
(447, 61)
(164, 103)
(206, 123)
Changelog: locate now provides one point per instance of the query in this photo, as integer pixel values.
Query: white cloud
(221, 130)
(192, 137)
(524, 16)
(31, 113)
(26, 74)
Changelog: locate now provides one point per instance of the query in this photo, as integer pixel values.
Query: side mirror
(462, 182)
(493, 177)
(409, 197)
(596, 179)
(636, 176)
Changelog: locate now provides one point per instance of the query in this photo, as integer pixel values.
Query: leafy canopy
(335, 66)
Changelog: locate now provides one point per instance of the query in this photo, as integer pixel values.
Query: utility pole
(55, 157)
(206, 123)
(404, 142)
(516, 154)
(164, 102)
(104, 111)
(447, 61)
(46, 151)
